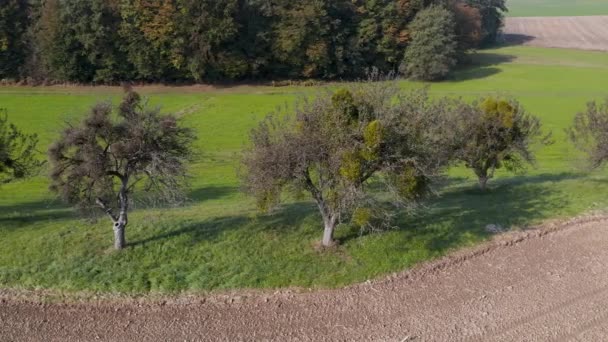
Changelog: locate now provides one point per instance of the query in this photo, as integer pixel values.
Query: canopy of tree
(17, 151)
(110, 41)
(338, 142)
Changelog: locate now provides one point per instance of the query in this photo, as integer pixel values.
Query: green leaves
(17, 151)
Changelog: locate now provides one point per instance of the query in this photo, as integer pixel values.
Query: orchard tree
(433, 50)
(337, 142)
(590, 132)
(496, 133)
(17, 151)
(105, 159)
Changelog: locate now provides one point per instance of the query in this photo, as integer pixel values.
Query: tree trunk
(328, 233)
(120, 224)
(119, 235)
(483, 183)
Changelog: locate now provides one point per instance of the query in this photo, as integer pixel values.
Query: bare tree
(17, 151)
(496, 133)
(590, 132)
(102, 161)
(338, 141)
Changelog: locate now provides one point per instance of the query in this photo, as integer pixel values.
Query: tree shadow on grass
(462, 216)
(458, 216)
(210, 193)
(32, 212)
(287, 219)
(462, 213)
(513, 39)
(481, 65)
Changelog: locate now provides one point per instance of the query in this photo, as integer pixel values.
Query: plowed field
(586, 33)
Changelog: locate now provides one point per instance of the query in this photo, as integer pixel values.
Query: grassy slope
(219, 242)
(551, 8)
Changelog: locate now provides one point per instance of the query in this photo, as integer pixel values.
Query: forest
(187, 41)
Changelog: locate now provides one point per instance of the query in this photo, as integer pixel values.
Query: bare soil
(545, 284)
(585, 33)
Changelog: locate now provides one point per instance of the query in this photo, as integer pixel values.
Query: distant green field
(553, 8)
(219, 241)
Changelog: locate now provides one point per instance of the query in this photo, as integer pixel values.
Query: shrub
(589, 132)
(496, 133)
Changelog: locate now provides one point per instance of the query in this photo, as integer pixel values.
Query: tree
(103, 161)
(17, 151)
(496, 133)
(210, 30)
(589, 132)
(492, 14)
(433, 50)
(14, 22)
(338, 141)
(94, 27)
(149, 34)
(469, 28)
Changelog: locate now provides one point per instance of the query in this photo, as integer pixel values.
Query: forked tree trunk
(119, 223)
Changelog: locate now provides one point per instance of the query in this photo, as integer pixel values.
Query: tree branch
(106, 209)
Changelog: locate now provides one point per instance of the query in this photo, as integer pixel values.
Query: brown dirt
(545, 284)
(586, 33)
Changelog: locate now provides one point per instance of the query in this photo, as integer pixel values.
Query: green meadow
(219, 241)
(553, 8)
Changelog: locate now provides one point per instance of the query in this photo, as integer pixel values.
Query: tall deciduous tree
(492, 14)
(17, 151)
(103, 161)
(336, 142)
(208, 33)
(496, 133)
(149, 32)
(433, 51)
(208, 40)
(589, 132)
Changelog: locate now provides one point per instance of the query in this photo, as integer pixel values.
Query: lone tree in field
(337, 142)
(433, 50)
(106, 158)
(590, 132)
(17, 151)
(494, 134)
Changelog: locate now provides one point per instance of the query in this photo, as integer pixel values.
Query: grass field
(218, 241)
(552, 8)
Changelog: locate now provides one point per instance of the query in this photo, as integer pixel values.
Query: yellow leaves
(500, 110)
(361, 217)
(372, 138)
(409, 184)
(352, 163)
(267, 200)
(373, 134)
(343, 102)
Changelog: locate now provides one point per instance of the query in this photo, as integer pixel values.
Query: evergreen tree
(433, 50)
(14, 21)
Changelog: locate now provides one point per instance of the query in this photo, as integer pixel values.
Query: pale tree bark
(330, 218)
(119, 223)
(330, 222)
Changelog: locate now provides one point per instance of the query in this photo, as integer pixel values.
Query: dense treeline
(207, 40)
